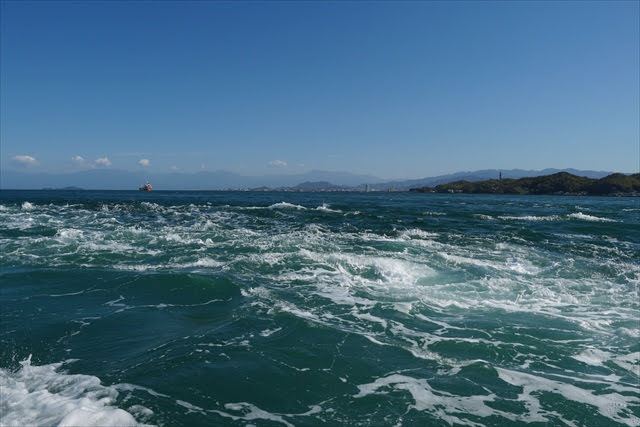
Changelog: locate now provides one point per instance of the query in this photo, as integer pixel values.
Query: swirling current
(249, 308)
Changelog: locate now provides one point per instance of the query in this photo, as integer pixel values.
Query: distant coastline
(315, 180)
(587, 183)
(68, 188)
(561, 183)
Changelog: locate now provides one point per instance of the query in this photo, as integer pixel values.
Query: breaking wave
(43, 395)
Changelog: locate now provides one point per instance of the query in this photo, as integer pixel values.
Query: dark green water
(220, 308)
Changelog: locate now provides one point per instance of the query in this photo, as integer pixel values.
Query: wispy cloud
(24, 160)
(103, 161)
(144, 162)
(174, 168)
(277, 164)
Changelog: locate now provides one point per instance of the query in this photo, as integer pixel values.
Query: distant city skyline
(398, 90)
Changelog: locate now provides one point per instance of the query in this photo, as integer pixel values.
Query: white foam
(417, 233)
(41, 395)
(151, 205)
(109, 246)
(531, 218)
(517, 266)
(635, 333)
(286, 205)
(442, 404)
(325, 208)
(136, 267)
(614, 406)
(189, 406)
(451, 408)
(593, 356)
(629, 362)
(175, 237)
(205, 262)
(69, 234)
(585, 217)
(27, 206)
(269, 332)
(485, 217)
(251, 412)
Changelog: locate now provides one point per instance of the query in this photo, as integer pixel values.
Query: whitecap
(269, 332)
(530, 218)
(41, 395)
(485, 217)
(69, 234)
(517, 266)
(205, 262)
(151, 205)
(286, 205)
(585, 217)
(27, 206)
(416, 232)
(325, 208)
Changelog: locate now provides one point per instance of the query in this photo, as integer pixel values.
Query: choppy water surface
(318, 309)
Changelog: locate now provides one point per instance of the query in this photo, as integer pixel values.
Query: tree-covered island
(561, 183)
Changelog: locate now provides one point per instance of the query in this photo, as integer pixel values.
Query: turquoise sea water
(223, 308)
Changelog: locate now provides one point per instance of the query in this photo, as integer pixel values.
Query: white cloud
(277, 164)
(25, 160)
(81, 162)
(174, 168)
(103, 161)
(144, 162)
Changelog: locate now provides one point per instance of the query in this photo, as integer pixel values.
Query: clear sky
(393, 89)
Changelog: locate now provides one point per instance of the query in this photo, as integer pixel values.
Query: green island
(561, 183)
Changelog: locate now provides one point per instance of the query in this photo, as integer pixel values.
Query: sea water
(243, 308)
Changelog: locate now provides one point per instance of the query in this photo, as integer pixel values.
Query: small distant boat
(146, 187)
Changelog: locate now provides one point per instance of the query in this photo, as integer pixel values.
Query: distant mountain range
(114, 179)
(220, 180)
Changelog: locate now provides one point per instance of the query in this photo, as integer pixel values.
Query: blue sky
(393, 89)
